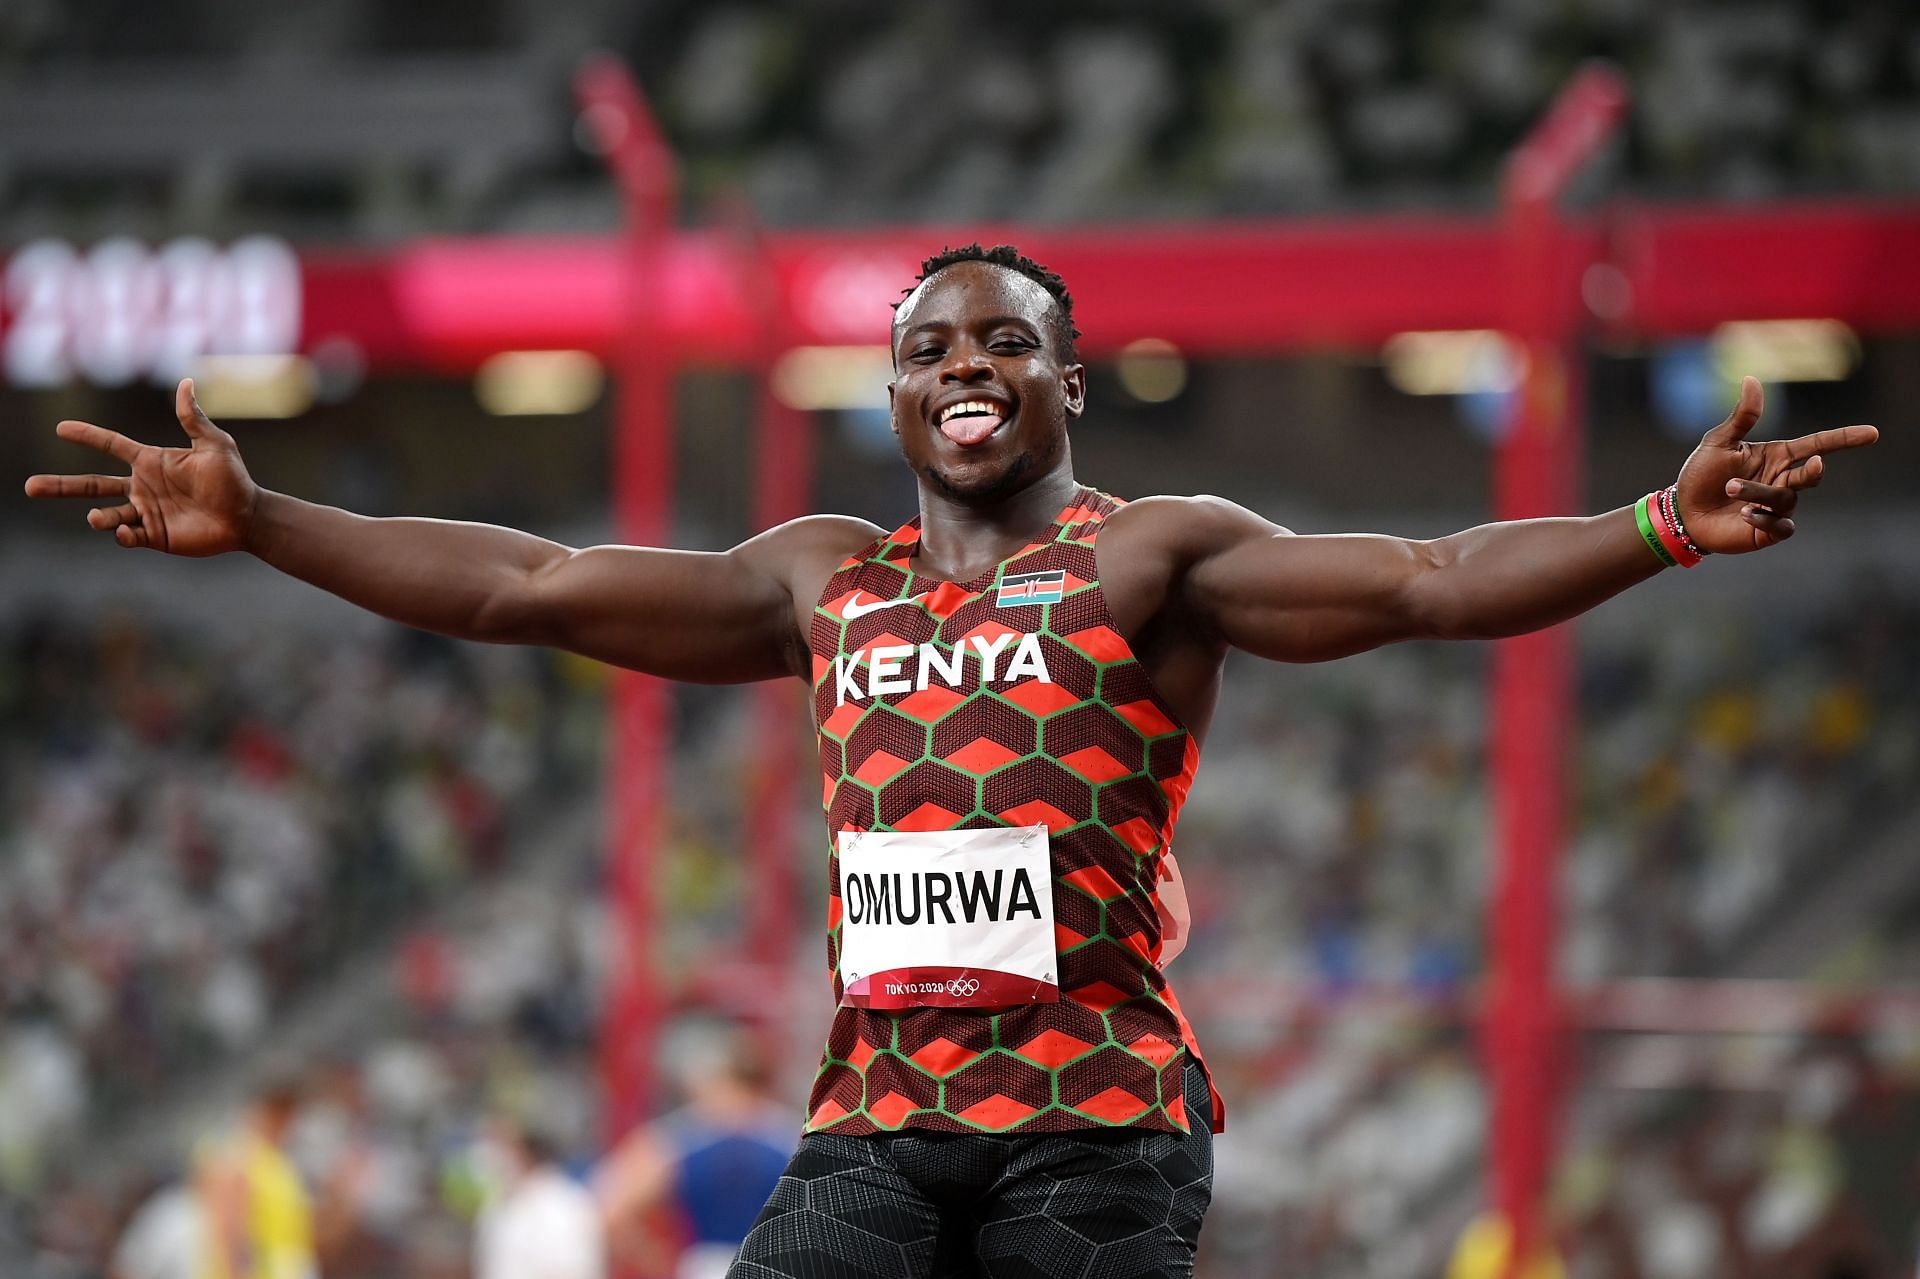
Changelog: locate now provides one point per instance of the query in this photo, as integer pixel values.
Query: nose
(965, 367)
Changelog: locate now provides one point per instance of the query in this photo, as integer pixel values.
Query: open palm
(185, 501)
(1736, 495)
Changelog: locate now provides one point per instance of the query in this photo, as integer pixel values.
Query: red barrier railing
(1214, 289)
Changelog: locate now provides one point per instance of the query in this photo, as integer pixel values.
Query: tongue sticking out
(967, 429)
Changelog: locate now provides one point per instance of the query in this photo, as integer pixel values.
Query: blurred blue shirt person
(709, 1166)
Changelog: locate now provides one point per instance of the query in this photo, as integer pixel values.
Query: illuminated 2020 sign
(123, 310)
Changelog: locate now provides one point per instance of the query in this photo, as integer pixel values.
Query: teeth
(969, 406)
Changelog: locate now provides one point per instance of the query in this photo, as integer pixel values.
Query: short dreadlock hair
(1006, 255)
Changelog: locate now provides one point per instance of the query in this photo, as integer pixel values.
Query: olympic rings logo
(962, 987)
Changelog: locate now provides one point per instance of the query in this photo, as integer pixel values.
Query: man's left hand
(1736, 496)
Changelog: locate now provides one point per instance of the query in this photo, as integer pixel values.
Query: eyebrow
(990, 322)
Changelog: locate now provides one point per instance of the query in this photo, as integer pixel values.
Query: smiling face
(981, 394)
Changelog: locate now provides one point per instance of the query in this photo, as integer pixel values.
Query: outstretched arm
(709, 617)
(714, 617)
(1258, 587)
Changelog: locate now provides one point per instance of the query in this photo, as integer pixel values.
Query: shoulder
(810, 548)
(1150, 550)
(1184, 528)
(820, 534)
(799, 558)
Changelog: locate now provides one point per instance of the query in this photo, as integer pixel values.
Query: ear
(1073, 384)
(892, 422)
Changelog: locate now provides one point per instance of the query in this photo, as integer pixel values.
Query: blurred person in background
(357, 1193)
(166, 1239)
(1051, 1117)
(258, 1219)
(538, 1222)
(711, 1164)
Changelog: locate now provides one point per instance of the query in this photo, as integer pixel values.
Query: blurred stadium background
(446, 259)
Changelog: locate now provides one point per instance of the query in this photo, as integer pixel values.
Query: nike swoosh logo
(857, 609)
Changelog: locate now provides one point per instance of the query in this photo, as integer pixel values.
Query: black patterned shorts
(1105, 1203)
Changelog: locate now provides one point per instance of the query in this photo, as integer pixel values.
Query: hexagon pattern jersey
(1051, 721)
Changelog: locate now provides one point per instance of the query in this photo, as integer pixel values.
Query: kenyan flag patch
(1032, 588)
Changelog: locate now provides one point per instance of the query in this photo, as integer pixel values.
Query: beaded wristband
(1663, 530)
(1663, 525)
(1670, 503)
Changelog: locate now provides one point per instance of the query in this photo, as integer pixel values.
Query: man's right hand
(197, 500)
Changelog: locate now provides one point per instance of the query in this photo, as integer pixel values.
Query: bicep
(716, 617)
(1307, 599)
(706, 617)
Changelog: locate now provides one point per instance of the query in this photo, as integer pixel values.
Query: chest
(883, 635)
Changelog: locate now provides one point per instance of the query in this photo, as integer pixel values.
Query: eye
(1012, 345)
(921, 355)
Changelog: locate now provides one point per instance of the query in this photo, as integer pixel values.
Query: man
(257, 1220)
(538, 1223)
(1010, 693)
(713, 1161)
(165, 1239)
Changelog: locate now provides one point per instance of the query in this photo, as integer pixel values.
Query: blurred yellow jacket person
(1482, 1254)
(259, 1222)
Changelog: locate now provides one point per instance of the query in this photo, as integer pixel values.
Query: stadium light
(833, 377)
(1458, 362)
(549, 383)
(1785, 350)
(255, 386)
(1152, 370)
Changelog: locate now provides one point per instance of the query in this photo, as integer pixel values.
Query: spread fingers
(95, 486)
(106, 517)
(111, 443)
(1773, 497)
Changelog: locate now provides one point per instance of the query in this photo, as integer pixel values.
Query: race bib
(946, 919)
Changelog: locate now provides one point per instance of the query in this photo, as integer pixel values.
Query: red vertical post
(623, 128)
(774, 845)
(1537, 473)
(782, 490)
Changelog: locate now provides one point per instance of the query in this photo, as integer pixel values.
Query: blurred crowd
(1805, 1170)
(1718, 764)
(197, 829)
(851, 111)
(1338, 860)
(1226, 107)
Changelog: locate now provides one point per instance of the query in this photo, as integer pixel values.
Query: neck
(726, 1102)
(959, 539)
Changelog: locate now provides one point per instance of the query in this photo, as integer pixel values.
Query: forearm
(1505, 579)
(439, 575)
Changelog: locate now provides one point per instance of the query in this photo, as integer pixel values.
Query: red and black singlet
(1010, 700)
